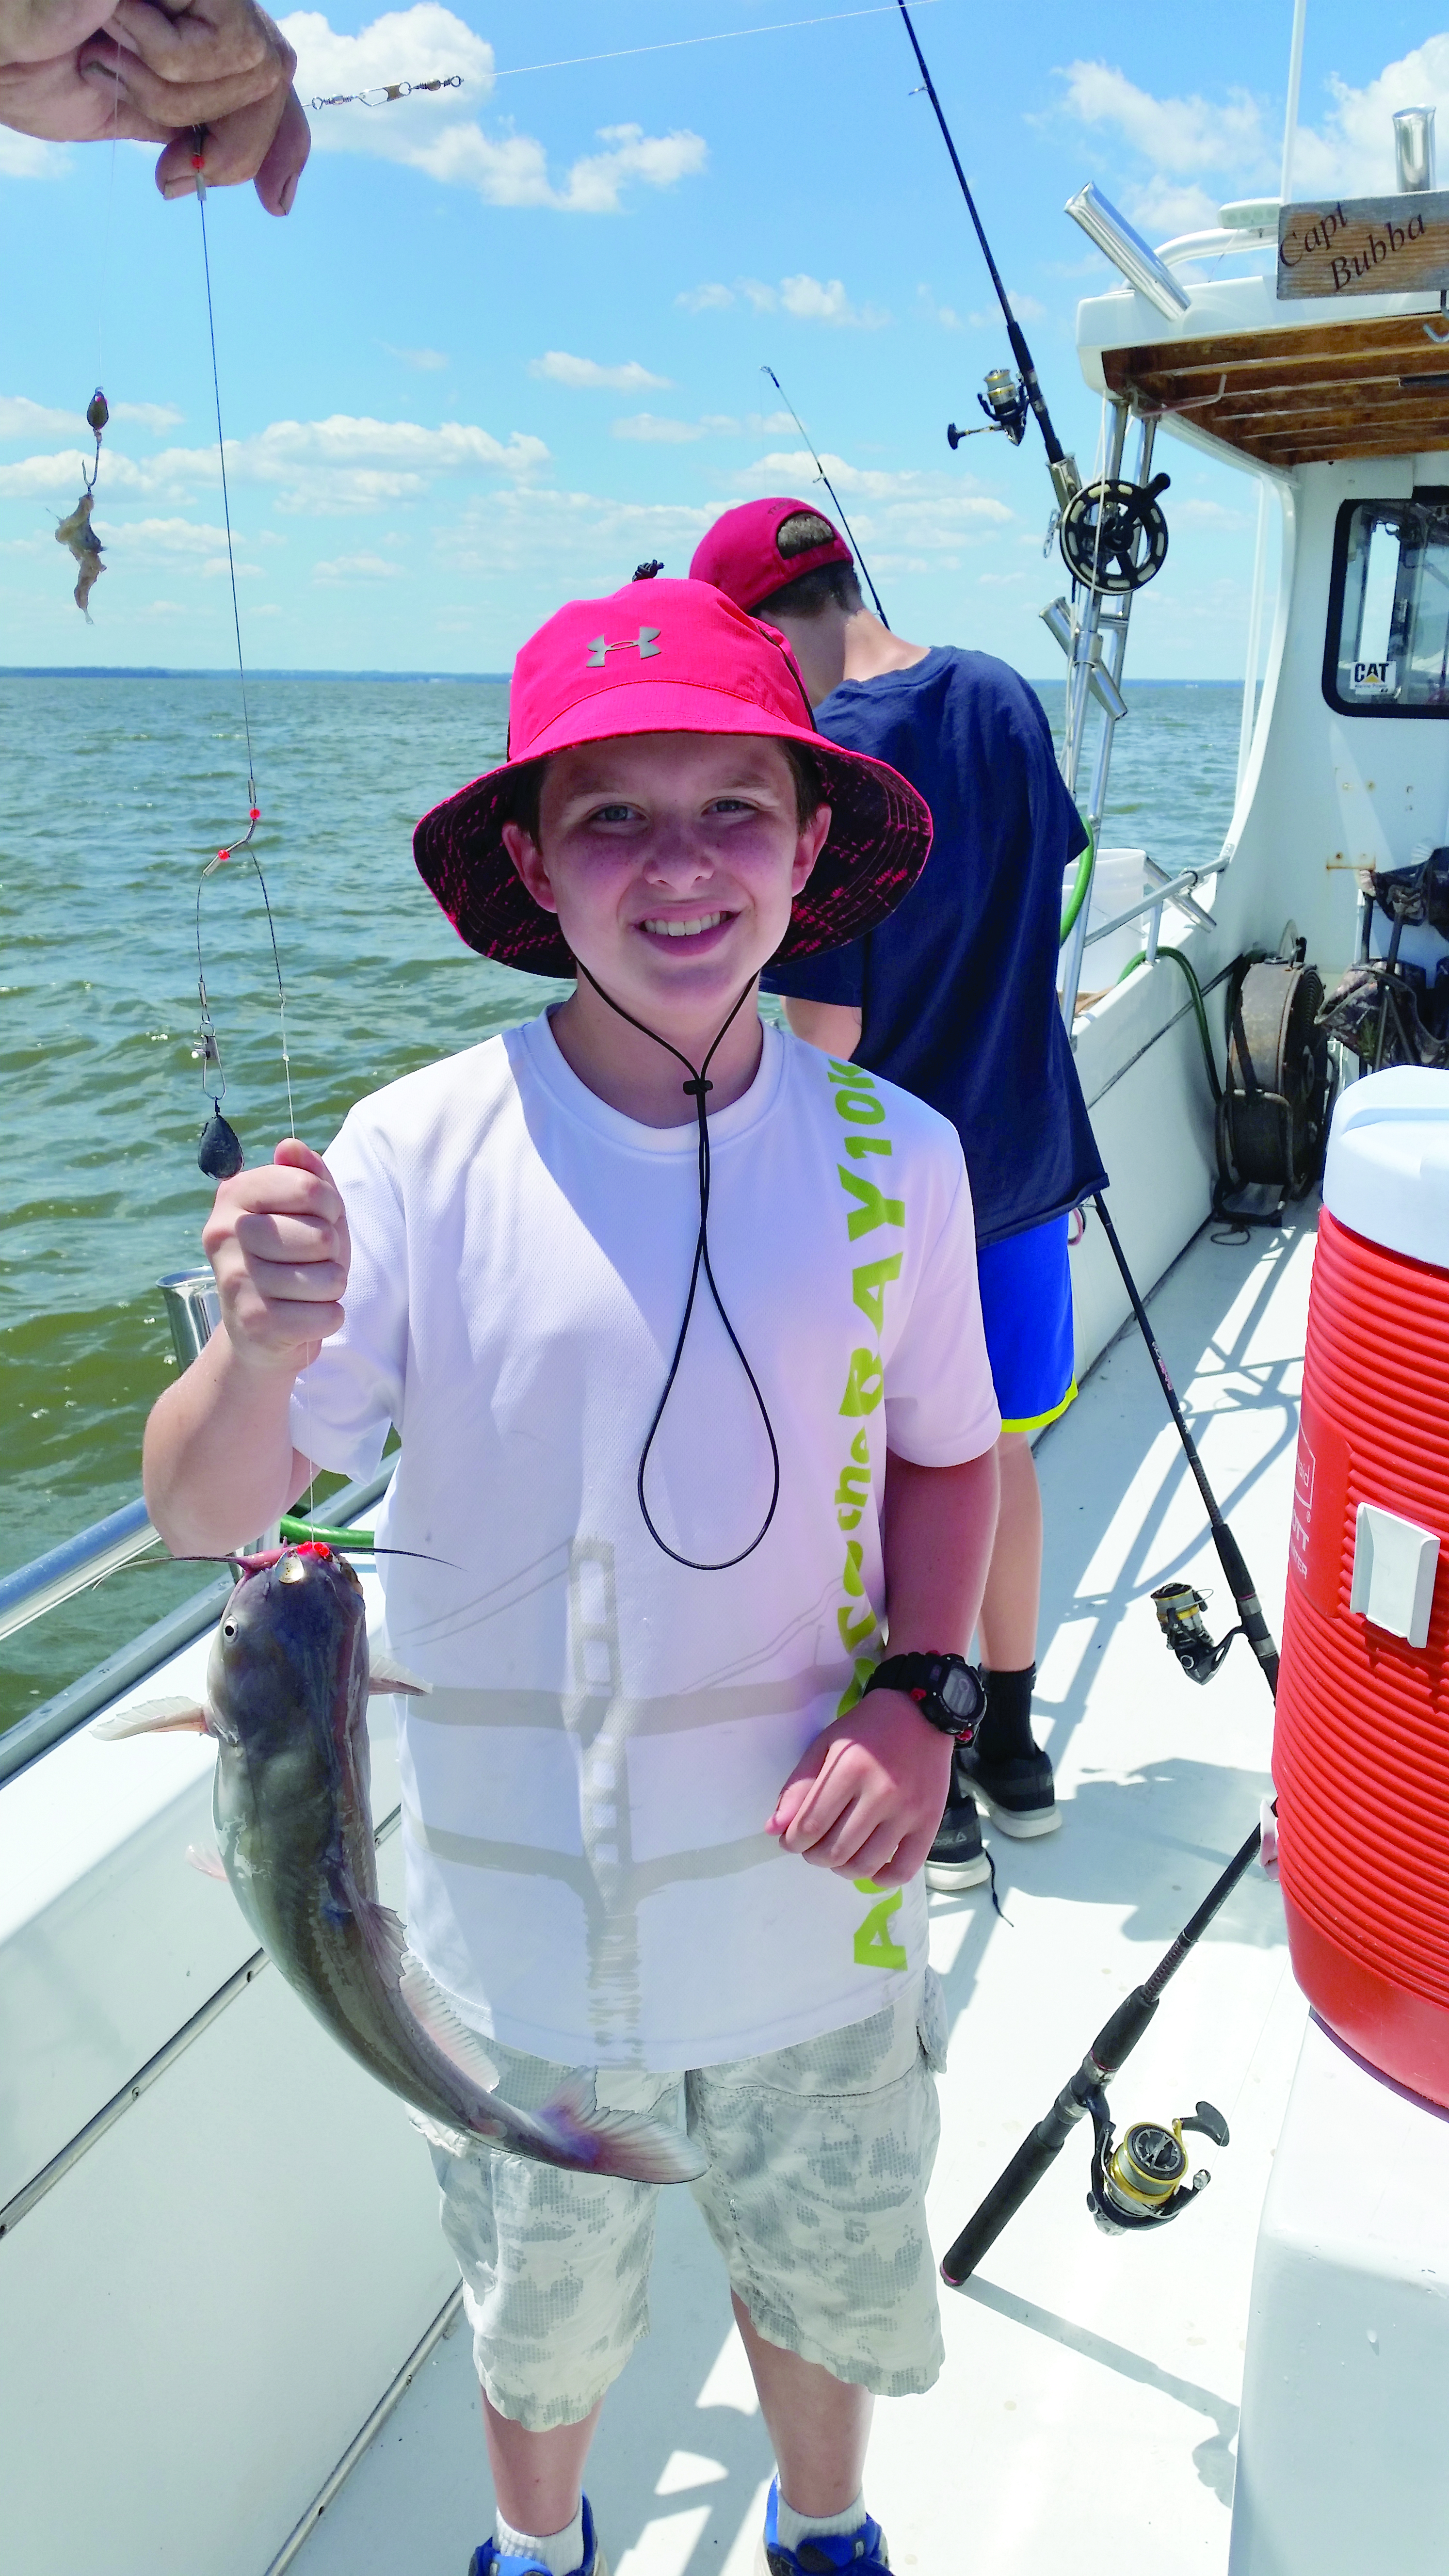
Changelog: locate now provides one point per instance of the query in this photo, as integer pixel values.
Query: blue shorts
(1026, 1307)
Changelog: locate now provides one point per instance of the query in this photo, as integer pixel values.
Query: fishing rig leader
(219, 1153)
(1112, 534)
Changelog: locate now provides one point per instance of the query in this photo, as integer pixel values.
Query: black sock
(1005, 1734)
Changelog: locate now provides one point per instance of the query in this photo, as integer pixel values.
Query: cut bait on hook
(389, 91)
(76, 532)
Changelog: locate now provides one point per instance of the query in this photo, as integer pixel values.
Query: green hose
(1198, 1003)
(1078, 895)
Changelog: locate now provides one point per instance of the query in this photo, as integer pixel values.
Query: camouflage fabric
(815, 2195)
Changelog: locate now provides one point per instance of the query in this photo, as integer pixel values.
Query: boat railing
(81, 1562)
(1163, 889)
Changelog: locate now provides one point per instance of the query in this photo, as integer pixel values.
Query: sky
(511, 339)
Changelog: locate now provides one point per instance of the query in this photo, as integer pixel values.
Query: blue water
(117, 790)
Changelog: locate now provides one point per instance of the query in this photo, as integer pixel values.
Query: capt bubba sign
(1364, 246)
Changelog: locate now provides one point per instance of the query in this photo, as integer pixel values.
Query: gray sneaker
(1020, 1795)
(957, 1859)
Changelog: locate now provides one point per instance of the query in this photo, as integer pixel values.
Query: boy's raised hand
(866, 1798)
(277, 1240)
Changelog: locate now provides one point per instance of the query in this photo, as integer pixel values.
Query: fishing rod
(1179, 1607)
(824, 478)
(1066, 481)
(1141, 2180)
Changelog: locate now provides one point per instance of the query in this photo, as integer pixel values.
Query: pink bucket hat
(741, 555)
(669, 657)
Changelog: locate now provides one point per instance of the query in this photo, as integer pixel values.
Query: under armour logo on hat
(644, 643)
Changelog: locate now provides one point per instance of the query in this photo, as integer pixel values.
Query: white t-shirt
(586, 1789)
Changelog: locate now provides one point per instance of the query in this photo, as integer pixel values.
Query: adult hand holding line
(220, 1462)
(79, 71)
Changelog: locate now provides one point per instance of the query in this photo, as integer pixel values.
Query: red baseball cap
(677, 657)
(741, 554)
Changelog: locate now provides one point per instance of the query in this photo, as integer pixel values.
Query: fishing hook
(1439, 337)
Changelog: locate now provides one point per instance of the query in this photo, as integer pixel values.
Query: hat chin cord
(696, 1089)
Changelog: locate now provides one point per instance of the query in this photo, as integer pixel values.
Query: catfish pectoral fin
(154, 1717)
(385, 1673)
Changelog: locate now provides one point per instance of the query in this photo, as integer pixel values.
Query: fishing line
(678, 44)
(1065, 478)
(823, 477)
(219, 1137)
(220, 1153)
(696, 1087)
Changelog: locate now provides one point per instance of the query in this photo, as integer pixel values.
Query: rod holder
(1414, 150)
(1128, 252)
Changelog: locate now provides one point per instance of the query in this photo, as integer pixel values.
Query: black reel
(1113, 535)
(1005, 405)
(1272, 1120)
(1141, 2180)
(1179, 1615)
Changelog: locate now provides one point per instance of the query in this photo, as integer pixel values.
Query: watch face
(959, 1691)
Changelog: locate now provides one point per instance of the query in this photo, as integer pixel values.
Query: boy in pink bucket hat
(677, 1321)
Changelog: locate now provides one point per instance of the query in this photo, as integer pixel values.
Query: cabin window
(1387, 648)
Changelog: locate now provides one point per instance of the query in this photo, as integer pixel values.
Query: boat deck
(1090, 2398)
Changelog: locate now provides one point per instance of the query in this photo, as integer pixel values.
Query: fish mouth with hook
(286, 1701)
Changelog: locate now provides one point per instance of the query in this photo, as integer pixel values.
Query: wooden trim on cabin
(1305, 397)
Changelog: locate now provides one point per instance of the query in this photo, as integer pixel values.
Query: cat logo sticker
(1377, 678)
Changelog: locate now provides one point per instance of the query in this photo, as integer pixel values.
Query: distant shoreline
(157, 671)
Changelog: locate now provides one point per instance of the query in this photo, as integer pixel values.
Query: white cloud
(804, 298)
(1166, 208)
(652, 431)
(558, 368)
(573, 544)
(1025, 307)
(23, 157)
(1208, 514)
(426, 362)
(1180, 135)
(357, 568)
(426, 132)
(22, 418)
(944, 316)
(154, 416)
(1354, 149)
(943, 491)
(329, 466)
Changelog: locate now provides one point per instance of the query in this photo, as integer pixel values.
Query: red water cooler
(1361, 1740)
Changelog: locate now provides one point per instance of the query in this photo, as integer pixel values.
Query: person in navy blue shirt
(955, 999)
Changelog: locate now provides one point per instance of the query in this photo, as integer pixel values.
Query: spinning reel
(1141, 2179)
(1005, 405)
(1179, 1615)
(1113, 535)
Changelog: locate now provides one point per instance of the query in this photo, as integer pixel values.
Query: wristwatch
(946, 1689)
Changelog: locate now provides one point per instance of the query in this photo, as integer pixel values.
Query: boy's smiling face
(671, 861)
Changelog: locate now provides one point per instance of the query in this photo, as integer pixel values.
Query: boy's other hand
(866, 1798)
(277, 1240)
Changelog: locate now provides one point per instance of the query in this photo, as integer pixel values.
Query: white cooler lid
(1387, 1172)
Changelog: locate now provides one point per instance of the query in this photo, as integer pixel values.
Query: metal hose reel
(1113, 535)
(1272, 1120)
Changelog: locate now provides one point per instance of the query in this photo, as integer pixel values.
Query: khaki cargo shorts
(815, 2195)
